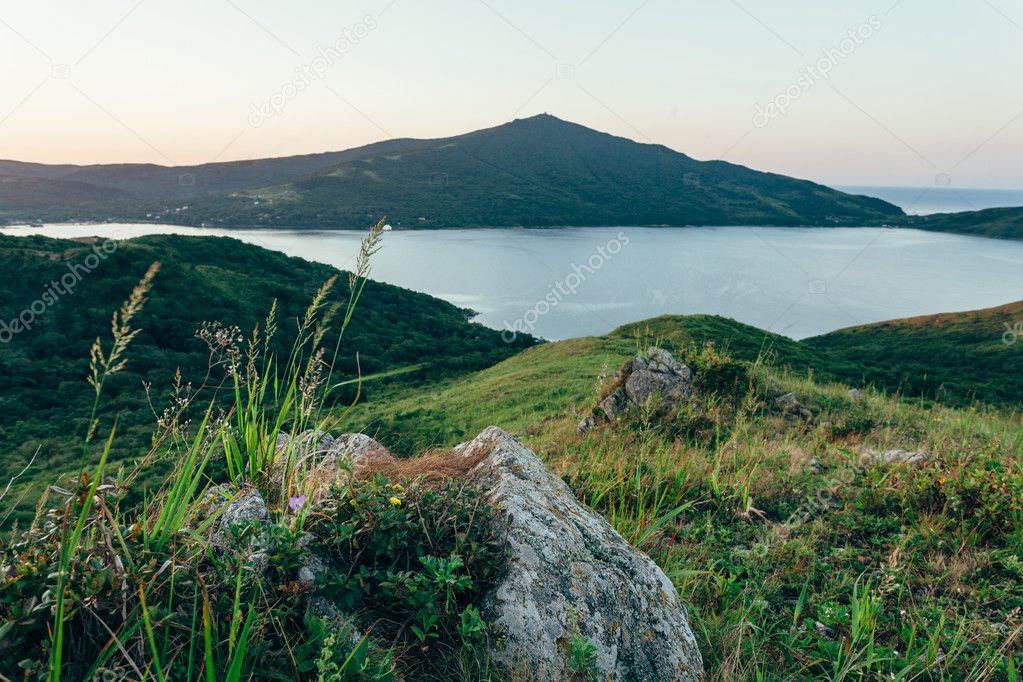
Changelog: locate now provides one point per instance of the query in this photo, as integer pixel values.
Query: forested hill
(535, 172)
(57, 296)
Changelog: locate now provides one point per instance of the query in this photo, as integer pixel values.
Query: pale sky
(927, 88)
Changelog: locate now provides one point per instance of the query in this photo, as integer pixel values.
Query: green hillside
(955, 357)
(1003, 223)
(869, 570)
(45, 400)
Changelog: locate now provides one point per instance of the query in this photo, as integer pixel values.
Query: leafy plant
(417, 558)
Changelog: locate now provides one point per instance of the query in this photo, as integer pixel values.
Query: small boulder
(569, 571)
(657, 375)
(654, 378)
(247, 508)
(237, 508)
(587, 423)
(358, 449)
(615, 405)
(790, 406)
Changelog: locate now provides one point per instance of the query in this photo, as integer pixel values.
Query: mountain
(46, 333)
(540, 171)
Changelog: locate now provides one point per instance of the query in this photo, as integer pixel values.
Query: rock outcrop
(569, 572)
(652, 379)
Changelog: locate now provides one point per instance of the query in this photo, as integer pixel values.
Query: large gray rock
(568, 565)
(652, 379)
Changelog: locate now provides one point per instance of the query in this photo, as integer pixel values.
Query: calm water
(941, 199)
(580, 281)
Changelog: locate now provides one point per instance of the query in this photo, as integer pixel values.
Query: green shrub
(415, 560)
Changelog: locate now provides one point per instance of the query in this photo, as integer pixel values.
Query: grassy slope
(954, 357)
(524, 390)
(46, 401)
(936, 552)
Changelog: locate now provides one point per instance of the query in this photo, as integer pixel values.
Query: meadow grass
(800, 554)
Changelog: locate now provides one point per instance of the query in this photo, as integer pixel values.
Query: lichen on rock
(569, 570)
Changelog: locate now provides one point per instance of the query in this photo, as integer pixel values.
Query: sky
(877, 92)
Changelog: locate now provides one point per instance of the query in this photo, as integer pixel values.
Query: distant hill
(19, 192)
(542, 171)
(1005, 223)
(535, 172)
(953, 357)
(149, 181)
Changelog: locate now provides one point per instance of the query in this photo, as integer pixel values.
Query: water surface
(941, 199)
(580, 281)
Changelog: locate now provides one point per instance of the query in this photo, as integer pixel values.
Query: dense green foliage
(533, 172)
(45, 399)
(414, 561)
(1004, 223)
(954, 358)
